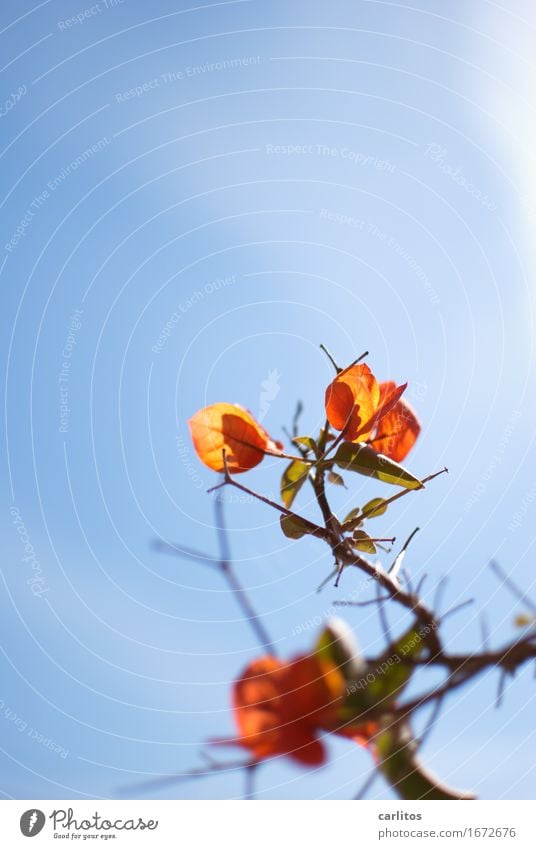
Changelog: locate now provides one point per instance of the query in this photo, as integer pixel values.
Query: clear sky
(193, 197)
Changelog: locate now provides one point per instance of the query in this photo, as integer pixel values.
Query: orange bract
(352, 400)
(280, 708)
(396, 433)
(230, 427)
(355, 402)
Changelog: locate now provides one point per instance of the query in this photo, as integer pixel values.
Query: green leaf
(353, 514)
(390, 673)
(364, 460)
(396, 752)
(308, 442)
(336, 479)
(295, 528)
(523, 620)
(363, 542)
(336, 645)
(292, 481)
(375, 507)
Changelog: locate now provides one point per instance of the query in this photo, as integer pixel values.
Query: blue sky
(193, 197)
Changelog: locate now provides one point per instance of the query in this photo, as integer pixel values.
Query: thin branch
(397, 563)
(457, 608)
(367, 786)
(242, 598)
(344, 603)
(441, 587)
(249, 777)
(297, 413)
(186, 553)
(197, 772)
(383, 617)
(408, 581)
(512, 586)
(432, 719)
(313, 529)
(484, 630)
(500, 688)
(337, 368)
(349, 526)
(464, 668)
(422, 579)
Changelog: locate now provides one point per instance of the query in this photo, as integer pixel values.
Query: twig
(367, 786)
(438, 597)
(348, 603)
(383, 617)
(297, 413)
(408, 581)
(349, 526)
(313, 529)
(187, 553)
(500, 688)
(456, 608)
(484, 630)
(197, 772)
(422, 579)
(432, 719)
(512, 586)
(337, 368)
(242, 598)
(397, 563)
(249, 775)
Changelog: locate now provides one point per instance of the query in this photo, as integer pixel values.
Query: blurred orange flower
(230, 427)
(282, 707)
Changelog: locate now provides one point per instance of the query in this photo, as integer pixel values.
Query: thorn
(456, 608)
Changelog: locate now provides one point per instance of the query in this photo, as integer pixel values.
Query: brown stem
(313, 529)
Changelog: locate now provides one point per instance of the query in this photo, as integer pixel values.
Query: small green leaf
(364, 460)
(336, 645)
(307, 442)
(396, 752)
(375, 507)
(353, 514)
(523, 620)
(295, 528)
(292, 481)
(363, 542)
(392, 673)
(336, 479)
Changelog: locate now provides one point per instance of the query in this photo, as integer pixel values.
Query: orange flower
(355, 404)
(398, 430)
(281, 708)
(230, 427)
